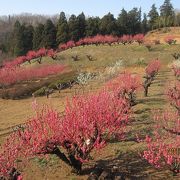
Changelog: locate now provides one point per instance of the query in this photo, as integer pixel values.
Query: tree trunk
(76, 164)
(70, 161)
(145, 91)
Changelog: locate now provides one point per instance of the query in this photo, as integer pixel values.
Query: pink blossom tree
(151, 71)
(126, 86)
(87, 123)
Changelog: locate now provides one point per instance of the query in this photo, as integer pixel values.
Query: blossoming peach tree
(126, 85)
(88, 122)
(151, 71)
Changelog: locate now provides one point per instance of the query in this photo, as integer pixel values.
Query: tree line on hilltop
(25, 36)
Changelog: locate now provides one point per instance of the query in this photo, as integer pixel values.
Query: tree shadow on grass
(129, 166)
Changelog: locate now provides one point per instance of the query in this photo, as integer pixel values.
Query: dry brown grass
(163, 33)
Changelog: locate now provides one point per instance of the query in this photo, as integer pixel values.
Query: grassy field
(123, 155)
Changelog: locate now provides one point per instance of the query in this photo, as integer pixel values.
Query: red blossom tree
(53, 54)
(90, 121)
(126, 39)
(87, 123)
(70, 44)
(126, 86)
(139, 38)
(31, 55)
(151, 71)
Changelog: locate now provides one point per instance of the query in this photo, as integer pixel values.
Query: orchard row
(87, 124)
(95, 40)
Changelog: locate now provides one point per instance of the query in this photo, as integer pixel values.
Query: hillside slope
(162, 33)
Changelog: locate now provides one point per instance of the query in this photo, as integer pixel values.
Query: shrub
(114, 69)
(84, 78)
(140, 62)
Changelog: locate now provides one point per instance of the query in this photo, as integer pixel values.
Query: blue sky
(89, 7)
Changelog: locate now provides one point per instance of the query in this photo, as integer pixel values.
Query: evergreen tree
(3, 48)
(122, 22)
(144, 24)
(28, 38)
(62, 29)
(49, 35)
(177, 19)
(82, 25)
(108, 25)
(167, 12)
(153, 17)
(18, 46)
(38, 36)
(74, 28)
(134, 21)
(92, 27)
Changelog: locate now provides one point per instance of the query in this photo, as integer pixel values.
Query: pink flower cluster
(153, 68)
(9, 76)
(161, 154)
(125, 85)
